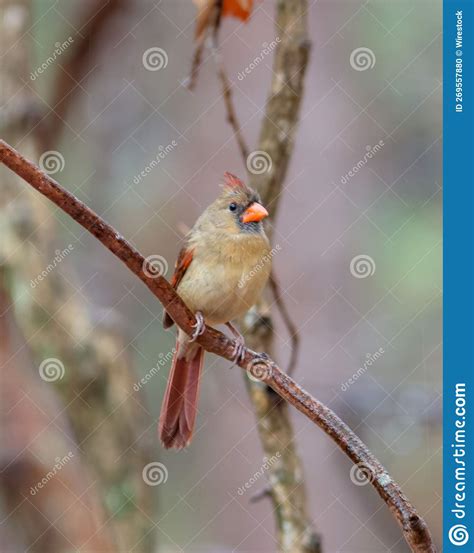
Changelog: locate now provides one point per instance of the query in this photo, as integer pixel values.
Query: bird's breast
(224, 284)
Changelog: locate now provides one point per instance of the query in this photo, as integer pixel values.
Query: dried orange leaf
(237, 8)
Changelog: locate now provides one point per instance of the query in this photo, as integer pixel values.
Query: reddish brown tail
(178, 411)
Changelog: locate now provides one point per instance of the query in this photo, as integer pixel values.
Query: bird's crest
(233, 183)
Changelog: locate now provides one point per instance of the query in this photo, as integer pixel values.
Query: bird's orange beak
(254, 213)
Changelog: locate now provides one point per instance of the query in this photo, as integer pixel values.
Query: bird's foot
(199, 326)
(240, 349)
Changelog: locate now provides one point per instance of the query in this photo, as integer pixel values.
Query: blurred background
(359, 229)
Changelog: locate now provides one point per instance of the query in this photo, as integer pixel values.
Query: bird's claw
(239, 351)
(199, 326)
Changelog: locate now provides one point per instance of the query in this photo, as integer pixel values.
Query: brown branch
(232, 118)
(413, 526)
(207, 24)
(290, 325)
(195, 64)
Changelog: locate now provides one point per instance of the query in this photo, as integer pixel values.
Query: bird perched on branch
(220, 273)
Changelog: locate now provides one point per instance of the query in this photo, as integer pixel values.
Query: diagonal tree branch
(413, 526)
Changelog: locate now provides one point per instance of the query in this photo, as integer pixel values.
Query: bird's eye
(233, 206)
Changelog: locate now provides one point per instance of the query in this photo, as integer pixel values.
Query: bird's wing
(182, 263)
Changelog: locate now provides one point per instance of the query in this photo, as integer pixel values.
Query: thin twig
(195, 64)
(290, 325)
(229, 105)
(413, 526)
(207, 25)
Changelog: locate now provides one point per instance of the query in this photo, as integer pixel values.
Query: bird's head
(238, 209)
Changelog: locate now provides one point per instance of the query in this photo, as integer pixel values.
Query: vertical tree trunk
(287, 487)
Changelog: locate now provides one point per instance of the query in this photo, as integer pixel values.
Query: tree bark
(295, 531)
(98, 383)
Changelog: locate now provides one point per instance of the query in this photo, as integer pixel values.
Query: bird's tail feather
(179, 408)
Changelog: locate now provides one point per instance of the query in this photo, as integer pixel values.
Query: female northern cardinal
(220, 274)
